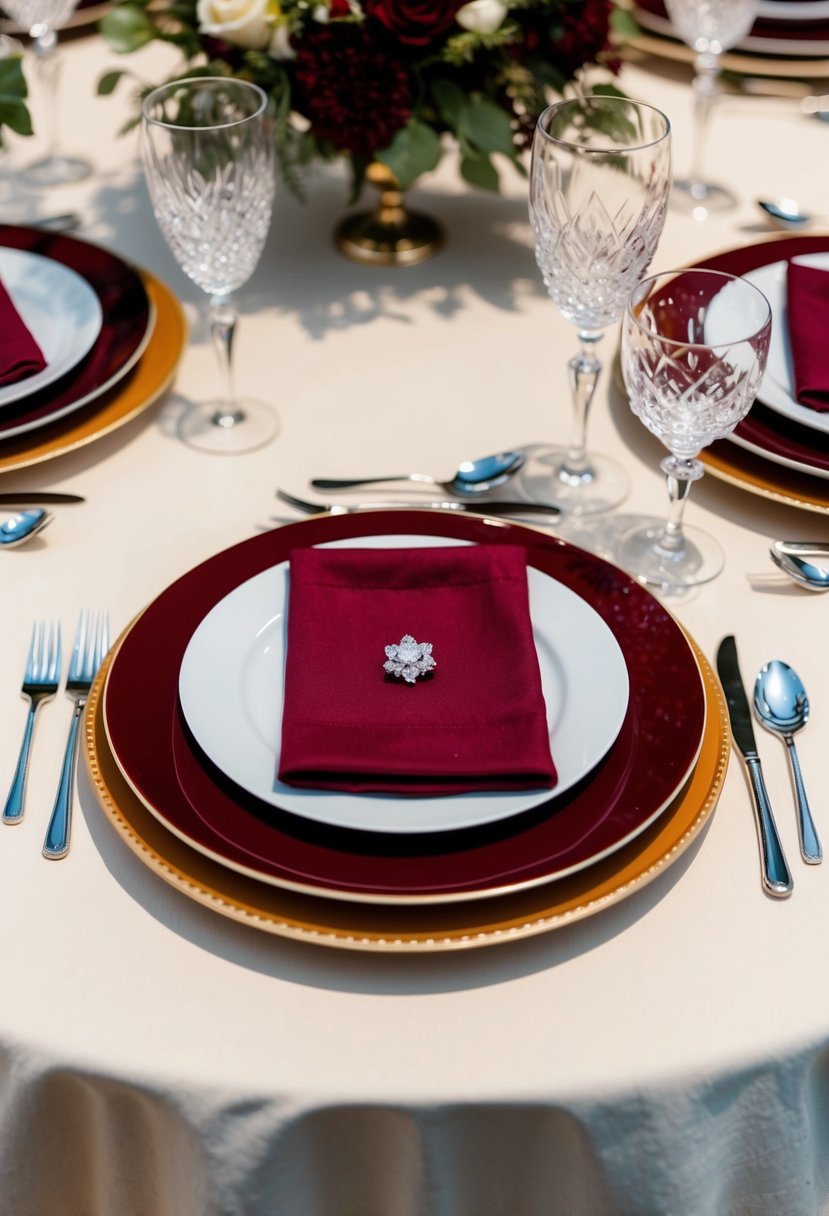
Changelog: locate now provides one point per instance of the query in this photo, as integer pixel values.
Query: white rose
(241, 22)
(481, 16)
(279, 46)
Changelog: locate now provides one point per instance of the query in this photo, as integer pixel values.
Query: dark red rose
(354, 94)
(415, 22)
(339, 8)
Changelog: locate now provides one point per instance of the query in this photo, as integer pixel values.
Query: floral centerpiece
(384, 80)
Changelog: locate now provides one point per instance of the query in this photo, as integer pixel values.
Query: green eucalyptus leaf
(479, 171)
(488, 127)
(108, 83)
(12, 80)
(451, 101)
(415, 149)
(13, 114)
(126, 28)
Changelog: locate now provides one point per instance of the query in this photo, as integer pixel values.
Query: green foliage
(483, 90)
(13, 111)
(415, 149)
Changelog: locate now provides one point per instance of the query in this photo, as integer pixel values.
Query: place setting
(90, 341)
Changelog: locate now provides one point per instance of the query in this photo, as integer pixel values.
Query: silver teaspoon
(471, 477)
(806, 562)
(788, 215)
(782, 706)
(17, 529)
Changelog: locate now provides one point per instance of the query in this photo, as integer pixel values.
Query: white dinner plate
(230, 689)
(777, 386)
(61, 311)
(792, 10)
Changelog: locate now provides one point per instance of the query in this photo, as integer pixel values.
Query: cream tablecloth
(665, 1058)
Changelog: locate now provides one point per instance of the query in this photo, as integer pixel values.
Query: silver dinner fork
(91, 644)
(40, 683)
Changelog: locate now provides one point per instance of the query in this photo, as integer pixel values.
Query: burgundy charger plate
(645, 768)
(125, 328)
(764, 427)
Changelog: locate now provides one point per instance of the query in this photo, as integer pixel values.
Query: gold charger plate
(404, 929)
(141, 388)
(742, 468)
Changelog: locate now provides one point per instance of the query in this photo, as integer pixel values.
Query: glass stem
(681, 475)
(585, 369)
(706, 91)
(48, 67)
(223, 318)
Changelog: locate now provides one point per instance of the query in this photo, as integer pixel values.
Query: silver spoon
(782, 706)
(807, 562)
(471, 477)
(788, 215)
(22, 527)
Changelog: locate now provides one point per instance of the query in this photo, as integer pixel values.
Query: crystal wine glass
(694, 349)
(208, 150)
(709, 27)
(42, 19)
(599, 184)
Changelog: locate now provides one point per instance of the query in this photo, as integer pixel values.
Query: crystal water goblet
(599, 184)
(41, 19)
(694, 349)
(709, 27)
(209, 160)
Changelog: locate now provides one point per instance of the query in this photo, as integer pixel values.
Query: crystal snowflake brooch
(409, 659)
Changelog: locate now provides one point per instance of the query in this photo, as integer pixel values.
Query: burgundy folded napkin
(20, 354)
(807, 300)
(476, 722)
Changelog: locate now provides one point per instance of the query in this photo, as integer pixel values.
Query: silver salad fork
(40, 683)
(91, 644)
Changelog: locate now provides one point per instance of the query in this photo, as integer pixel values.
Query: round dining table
(664, 1052)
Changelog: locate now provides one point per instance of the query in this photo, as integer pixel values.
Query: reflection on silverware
(40, 683)
(485, 508)
(91, 645)
(57, 223)
(782, 706)
(33, 497)
(17, 529)
(471, 477)
(806, 562)
(777, 879)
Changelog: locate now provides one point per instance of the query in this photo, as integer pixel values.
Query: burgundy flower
(415, 22)
(354, 94)
(577, 36)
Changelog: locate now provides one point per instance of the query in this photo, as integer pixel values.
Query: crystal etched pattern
(597, 217)
(216, 216)
(691, 400)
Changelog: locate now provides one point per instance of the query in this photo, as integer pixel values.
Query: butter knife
(495, 507)
(28, 498)
(775, 872)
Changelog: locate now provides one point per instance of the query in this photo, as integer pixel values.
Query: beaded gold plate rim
(402, 929)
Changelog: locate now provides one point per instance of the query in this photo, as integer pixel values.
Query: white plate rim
(776, 386)
(198, 690)
(75, 339)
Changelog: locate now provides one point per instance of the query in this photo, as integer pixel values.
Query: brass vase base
(389, 235)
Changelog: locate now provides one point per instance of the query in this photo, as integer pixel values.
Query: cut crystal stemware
(694, 349)
(599, 183)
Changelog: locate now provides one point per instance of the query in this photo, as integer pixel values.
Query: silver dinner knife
(777, 879)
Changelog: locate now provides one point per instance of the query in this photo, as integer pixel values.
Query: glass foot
(210, 428)
(56, 171)
(700, 199)
(641, 553)
(606, 486)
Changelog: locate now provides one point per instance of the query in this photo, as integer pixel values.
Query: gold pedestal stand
(389, 235)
